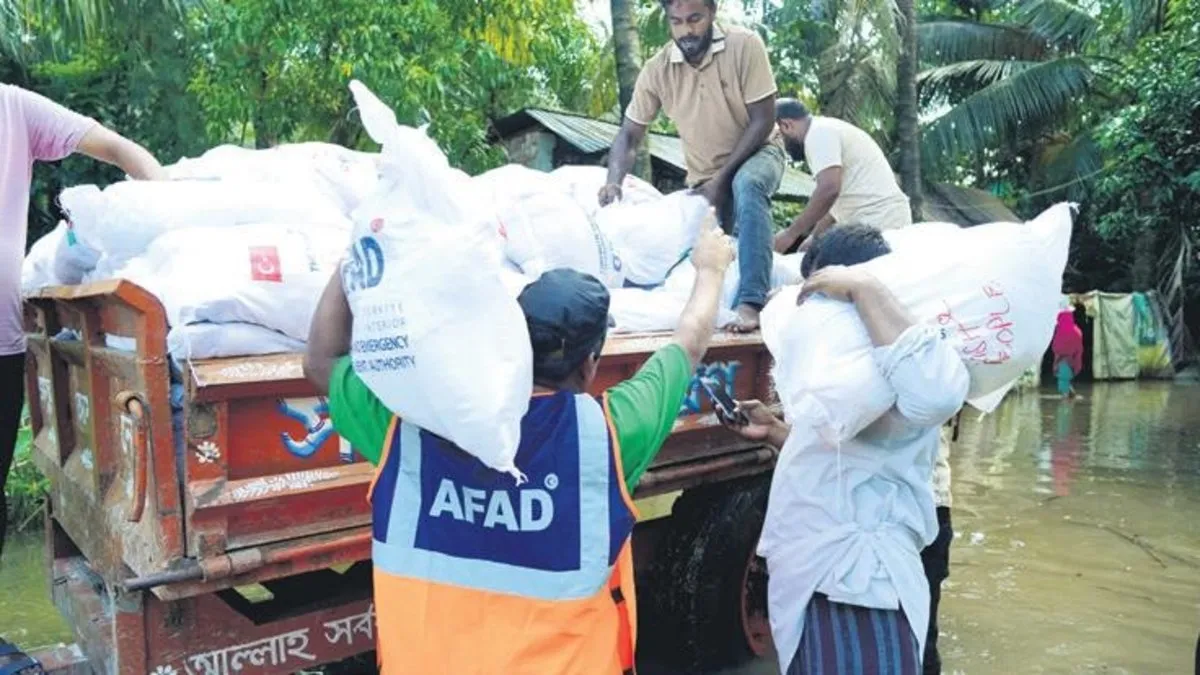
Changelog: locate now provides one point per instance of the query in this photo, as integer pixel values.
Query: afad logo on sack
(365, 268)
(264, 264)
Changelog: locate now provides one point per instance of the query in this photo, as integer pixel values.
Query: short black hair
(849, 244)
(790, 109)
(666, 4)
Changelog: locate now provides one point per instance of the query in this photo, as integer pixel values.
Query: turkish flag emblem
(264, 264)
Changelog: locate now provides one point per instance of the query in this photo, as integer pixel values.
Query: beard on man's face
(795, 148)
(694, 46)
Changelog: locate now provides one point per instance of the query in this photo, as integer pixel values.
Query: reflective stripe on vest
(443, 517)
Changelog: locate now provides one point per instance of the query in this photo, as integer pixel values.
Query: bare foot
(747, 321)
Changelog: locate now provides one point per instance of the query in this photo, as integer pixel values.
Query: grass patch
(27, 486)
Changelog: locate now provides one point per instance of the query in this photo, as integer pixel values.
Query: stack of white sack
(338, 175)
(551, 220)
(268, 275)
(994, 288)
(221, 215)
(438, 335)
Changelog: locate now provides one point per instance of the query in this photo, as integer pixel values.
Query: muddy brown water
(1077, 544)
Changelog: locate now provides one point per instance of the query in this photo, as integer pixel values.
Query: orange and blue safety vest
(474, 574)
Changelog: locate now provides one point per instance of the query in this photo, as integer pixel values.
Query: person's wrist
(865, 287)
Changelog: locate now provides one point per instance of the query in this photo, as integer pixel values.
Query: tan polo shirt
(708, 102)
(869, 192)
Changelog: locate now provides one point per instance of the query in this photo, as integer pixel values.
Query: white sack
(651, 237)
(220, 340)
(267, 274)
(635, 310)
(583, 184)
(437, 335)
(994, 287)
(37, 270)
(785, 271)
(125, 217)
(543, 227)
(344, 175)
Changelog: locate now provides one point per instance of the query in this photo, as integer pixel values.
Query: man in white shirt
(855, 183)
(846, 525)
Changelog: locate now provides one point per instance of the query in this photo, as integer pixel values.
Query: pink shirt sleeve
(54, 131)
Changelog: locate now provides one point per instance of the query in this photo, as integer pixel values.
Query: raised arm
(815, 217)
(711, 256)
(621, 158)
(329, 335)
(108, 146)
(922, 365)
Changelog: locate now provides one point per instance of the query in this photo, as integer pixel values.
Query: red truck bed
(241, 480)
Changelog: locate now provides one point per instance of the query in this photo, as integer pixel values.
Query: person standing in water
(1067, 346)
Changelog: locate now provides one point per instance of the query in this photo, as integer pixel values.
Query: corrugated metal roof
(590, 135)
(945, 203)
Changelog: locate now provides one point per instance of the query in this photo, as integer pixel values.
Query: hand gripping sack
(542, 225)
(993, 287)
(438, 337)
(583, 184)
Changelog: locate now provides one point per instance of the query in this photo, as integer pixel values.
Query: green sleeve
(357, 414)
(643, 409)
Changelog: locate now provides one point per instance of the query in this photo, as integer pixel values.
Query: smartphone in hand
(727, 408)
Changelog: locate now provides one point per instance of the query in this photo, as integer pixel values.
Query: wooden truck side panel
(102, 422)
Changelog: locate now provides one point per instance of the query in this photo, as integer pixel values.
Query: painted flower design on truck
(208, 452)
(165, 670)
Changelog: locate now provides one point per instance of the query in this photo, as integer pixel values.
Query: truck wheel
(708, 598)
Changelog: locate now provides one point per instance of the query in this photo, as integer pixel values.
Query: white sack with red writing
(993, 288)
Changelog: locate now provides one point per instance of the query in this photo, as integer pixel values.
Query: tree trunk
(626, 49)
(908, 133)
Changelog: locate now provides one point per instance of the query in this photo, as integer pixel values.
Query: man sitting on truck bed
(715, 83)
(34, 128)
(845, 526)
(475, 575)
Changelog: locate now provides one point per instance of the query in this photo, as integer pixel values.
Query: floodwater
(1077, 544)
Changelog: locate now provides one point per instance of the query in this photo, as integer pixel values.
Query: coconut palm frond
(947, 41)
(1031, 99)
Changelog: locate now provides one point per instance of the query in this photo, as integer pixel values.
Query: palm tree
(908, 132)
(626, 47)
(1014, 88)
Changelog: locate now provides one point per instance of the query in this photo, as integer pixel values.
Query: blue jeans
(748, 216)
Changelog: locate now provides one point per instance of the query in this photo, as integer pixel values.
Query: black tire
(693, 605)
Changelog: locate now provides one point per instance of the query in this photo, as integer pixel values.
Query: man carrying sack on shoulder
(476, 575)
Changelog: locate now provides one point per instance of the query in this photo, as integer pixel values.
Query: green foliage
(1152, 176)
(839, 56)
(272, 71)
(26, 485)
